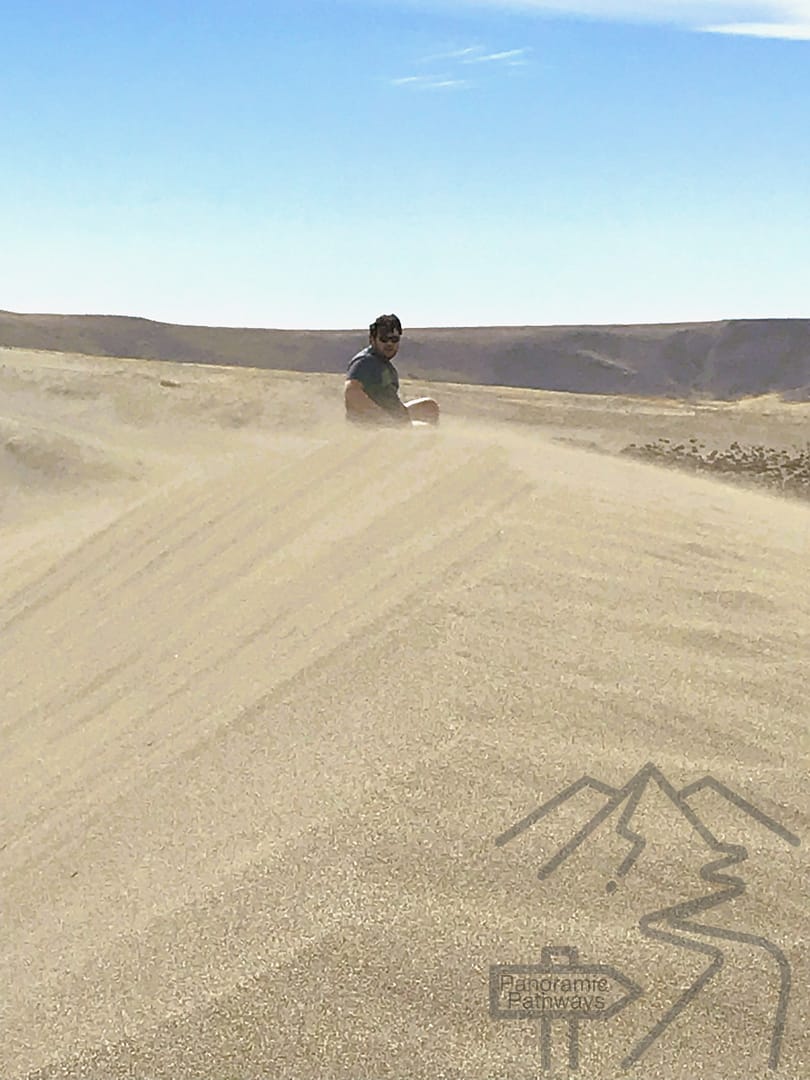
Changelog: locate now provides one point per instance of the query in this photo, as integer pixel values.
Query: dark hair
(386, 323)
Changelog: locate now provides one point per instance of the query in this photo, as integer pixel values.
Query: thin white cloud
(454, 54)
(784, 31)
(414, 80)
(431, 82)
(455, 60)
(510, 54)
(788, 19)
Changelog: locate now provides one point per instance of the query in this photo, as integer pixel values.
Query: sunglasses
(388, 339)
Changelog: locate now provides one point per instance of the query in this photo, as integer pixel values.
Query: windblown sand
(273, 689)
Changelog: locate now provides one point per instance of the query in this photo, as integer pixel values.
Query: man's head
(384, 334)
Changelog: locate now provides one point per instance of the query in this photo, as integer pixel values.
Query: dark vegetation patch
(786, 471)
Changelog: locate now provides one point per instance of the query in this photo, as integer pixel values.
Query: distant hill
(722, 360)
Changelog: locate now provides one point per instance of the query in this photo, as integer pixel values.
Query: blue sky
(312, 164)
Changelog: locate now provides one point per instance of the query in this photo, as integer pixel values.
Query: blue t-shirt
(379, 379)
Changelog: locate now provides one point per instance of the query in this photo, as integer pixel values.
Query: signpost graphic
(559, 988)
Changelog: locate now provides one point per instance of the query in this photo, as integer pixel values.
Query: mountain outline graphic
(670, 924)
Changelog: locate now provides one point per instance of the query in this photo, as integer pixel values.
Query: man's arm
(358, 401)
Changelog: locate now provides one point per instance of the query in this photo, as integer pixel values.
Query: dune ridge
(265, 721)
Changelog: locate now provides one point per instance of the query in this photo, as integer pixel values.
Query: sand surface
(275, 693)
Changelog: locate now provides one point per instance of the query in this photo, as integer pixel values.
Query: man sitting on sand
(371, 391)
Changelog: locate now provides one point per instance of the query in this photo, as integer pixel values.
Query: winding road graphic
(677, 924)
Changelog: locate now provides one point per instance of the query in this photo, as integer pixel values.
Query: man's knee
(424, 409)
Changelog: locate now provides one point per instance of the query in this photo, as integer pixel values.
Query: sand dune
(273, 690)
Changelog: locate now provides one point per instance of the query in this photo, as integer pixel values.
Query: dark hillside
(722, 360)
